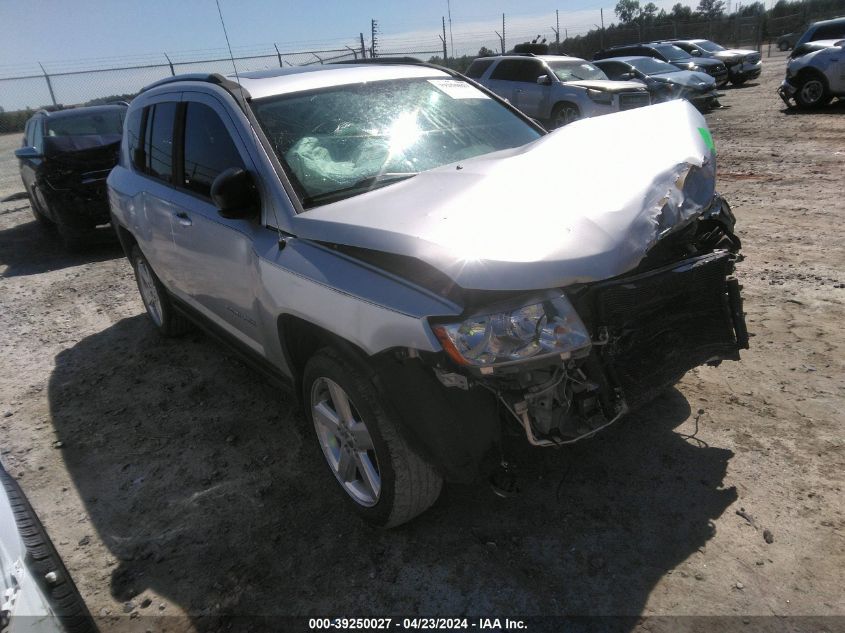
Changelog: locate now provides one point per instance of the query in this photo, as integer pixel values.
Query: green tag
(708, 138)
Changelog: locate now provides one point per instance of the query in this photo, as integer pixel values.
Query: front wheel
(564, 114)
(155, 298)
(739, 81)
(812, 92)
(386, 482)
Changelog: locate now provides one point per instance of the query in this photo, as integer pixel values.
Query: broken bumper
(787, 91)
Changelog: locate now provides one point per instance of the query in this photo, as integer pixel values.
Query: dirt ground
(176, 482)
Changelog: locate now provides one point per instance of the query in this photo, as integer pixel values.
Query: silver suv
(556, 89)
(422, 264)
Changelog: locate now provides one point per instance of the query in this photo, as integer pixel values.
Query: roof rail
(212, 78)
(381, 60)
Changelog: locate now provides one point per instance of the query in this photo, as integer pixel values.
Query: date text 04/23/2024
(413, 624)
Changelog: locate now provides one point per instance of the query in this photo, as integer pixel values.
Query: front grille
(663, 323)
(630, 100)
(717, 70)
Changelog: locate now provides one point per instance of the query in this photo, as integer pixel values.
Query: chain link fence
(24, 94)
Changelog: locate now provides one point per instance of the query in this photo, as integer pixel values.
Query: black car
(64, 159)
(671, 54)
(743, 64)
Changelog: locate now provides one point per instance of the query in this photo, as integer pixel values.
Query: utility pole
(451, 39)
(443, 38)
(374, 38)
(363, 49)
(557, 32)
(601, 36)
(49, 83)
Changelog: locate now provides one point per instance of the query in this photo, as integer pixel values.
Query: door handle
(518, 90)
(184, 218)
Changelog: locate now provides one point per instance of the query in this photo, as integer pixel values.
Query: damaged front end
(566, 366)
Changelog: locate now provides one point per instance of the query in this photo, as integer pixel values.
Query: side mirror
(544, 80)
(234, 194)
(628, 75)
(27, 153)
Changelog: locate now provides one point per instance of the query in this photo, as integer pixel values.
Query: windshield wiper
(367, 184)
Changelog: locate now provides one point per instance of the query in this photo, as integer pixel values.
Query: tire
(812, 92)
(382, 478)
(739, 81)
(61, 593)
(38, 213)
(783, 46)
(563, 114)
(156, 301)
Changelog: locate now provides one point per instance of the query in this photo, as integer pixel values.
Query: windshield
(651, 66)
(102, 123)
(672, 53)
(343, 141)
(709, 46)
(576, 71)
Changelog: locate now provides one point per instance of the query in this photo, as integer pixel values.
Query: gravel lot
(184, 485)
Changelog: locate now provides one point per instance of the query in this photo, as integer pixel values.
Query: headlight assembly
(600, 96)
(550, 327)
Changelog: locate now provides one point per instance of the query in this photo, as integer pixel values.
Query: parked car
(36, 590)
(664, 81)
(64, 159)
(815, 74)
(670, 54)
(787, 41)
(742, 64)
(422, 263)
(556, 89)
(824, 30)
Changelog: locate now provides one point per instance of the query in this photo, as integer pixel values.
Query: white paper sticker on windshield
(458, 89)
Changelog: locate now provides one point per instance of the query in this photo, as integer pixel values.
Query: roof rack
(381, 60)
(212, 78)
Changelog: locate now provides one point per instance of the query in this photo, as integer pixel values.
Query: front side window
(576, 71)
(159, 140)
(343, 141)
(709, 46)
(528, 70)
(209, 150)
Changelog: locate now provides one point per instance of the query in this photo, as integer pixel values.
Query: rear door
(216, 263)
(529, 96)
(154, 163)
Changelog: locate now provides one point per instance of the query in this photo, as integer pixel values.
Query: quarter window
(209, 150)
(134, 133)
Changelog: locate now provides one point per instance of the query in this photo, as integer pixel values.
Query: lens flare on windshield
(404, 132)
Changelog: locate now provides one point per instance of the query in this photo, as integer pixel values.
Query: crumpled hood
(733, 52)
(582, 204)
(607, 85)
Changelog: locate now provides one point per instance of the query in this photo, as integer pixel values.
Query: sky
(84, 34)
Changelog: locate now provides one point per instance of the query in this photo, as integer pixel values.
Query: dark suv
(672, 54)
(65, 158)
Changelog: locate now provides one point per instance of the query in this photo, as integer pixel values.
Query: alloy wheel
(346, 442)
(149, 292)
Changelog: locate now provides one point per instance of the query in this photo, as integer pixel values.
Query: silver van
(423, 264)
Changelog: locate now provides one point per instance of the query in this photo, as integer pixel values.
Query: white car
(556, 89)
(815, 74)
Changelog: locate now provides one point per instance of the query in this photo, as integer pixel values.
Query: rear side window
(159, 140)
(478, 68)
(209, 150)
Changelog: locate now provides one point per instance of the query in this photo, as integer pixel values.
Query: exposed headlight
(600, 96)
(551, 327)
